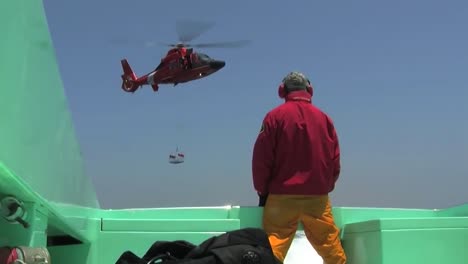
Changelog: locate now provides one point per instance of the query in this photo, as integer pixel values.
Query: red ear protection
(282, 90)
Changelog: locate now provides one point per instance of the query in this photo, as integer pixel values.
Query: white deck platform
(301, 252)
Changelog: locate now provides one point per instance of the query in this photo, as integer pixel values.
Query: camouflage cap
(296, 81)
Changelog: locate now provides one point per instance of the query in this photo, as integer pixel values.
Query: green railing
(77, 234)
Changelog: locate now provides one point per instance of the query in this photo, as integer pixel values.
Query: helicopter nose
(216, 64)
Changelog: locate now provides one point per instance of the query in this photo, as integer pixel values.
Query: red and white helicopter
(181, 63)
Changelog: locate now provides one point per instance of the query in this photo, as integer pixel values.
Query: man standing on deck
(295, 165)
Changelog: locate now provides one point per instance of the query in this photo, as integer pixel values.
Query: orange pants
(282, 214)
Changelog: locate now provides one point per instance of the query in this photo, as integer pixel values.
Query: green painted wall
(37, 140)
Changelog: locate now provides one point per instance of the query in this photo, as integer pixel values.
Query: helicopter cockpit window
(203, 57)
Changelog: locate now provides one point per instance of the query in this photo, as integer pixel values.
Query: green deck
(40, 164)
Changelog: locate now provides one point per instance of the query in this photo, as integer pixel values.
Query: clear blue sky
(392, 75)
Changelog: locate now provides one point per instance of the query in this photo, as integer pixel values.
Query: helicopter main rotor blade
(187, 30)
(150, 44)
(227, 44)
(191, 29)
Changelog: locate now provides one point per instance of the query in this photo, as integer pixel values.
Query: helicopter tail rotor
(129, 78)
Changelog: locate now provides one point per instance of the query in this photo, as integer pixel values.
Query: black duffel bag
(242, 246)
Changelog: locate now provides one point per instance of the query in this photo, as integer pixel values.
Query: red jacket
(297, 150)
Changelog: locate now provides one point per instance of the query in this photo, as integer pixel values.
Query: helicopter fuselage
(178, 66)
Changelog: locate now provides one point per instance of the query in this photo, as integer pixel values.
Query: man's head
(294, 81)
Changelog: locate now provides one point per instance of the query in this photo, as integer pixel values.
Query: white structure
(301, 252)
